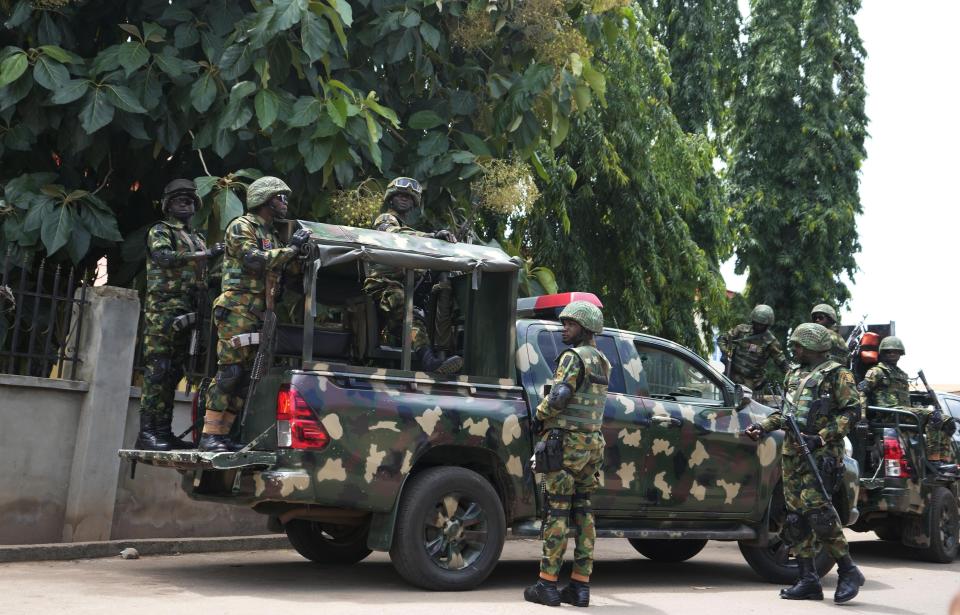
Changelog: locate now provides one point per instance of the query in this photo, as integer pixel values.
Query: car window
(671, 376)
(551, 345)
(953, 406)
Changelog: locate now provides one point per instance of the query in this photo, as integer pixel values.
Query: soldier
(823, 314)
(255, 257)
(385, 284)
(575, 408)
(176, 271)
(748, 347)
(887, 386)
(822, 396)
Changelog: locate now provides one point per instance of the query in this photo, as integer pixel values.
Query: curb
(144, 546)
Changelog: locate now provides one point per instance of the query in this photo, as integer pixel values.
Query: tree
(616, 201)
(797, 147)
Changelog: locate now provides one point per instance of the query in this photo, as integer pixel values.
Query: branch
(200, 153)
(106, 177)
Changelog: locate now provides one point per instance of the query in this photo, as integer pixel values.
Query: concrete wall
(60, 477)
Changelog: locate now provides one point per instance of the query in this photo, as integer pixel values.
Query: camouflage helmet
(403, 185)
(892, 342)
(179, 187)
(823, 308)
(811, 336)
(263, 189)
(584, 313)
(762, 314)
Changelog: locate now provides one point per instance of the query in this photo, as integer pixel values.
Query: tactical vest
(177, 281)
(800, 402)
(235, 276)
(584, 412)
(894, 390)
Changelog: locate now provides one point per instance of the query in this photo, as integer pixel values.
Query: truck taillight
(894, 460)
(297, 426)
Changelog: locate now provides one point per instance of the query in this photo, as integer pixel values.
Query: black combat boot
(807, 586)
(576, 593)
(150, 438)
(164, 431)
(543, 592)
(850, 581)
(216, 443)
(431, 363)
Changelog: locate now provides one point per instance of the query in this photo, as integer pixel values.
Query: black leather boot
(543, 592)
(163, 430)
(216, 443)
(850, 581)
(576, 593)
(431, 363)
(149, 438)
(807, 586)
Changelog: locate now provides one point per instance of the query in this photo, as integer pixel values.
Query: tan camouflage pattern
(750, 354)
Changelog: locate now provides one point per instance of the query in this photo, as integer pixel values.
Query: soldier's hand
(445, 235)
(216, 250)
(813, 442)
(754, 432)
(937, 417)
(299, 237)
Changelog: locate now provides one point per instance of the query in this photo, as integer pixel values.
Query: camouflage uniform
(839, 353)
(750, 353)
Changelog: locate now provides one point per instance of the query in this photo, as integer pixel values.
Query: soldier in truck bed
(748, 347)
(825, 315)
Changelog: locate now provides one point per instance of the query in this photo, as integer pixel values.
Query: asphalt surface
(280, 581)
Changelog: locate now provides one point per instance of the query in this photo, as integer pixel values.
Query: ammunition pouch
(819, 407)
(183, 322)
(165, 259)
(220, 313)
(233, 379)
(548, 453)
(831, 472)
(253, 262)
(821, 521)
(795, 529)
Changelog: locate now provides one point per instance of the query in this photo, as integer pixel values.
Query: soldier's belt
(183, 322)
(245, 339)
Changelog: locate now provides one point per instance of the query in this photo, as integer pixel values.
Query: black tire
(431, 547)
(667, 551)
(325, 543)
(775, 564)
(890, 532)
(944, 527)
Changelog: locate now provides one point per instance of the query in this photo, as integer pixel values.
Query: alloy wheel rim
(455, 532)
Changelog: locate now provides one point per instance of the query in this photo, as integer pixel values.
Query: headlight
(847, 447)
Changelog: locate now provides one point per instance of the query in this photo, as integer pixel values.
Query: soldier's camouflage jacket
(750, 353)
(838, 348)
(172, 279)
(885, 385)
(390, 222)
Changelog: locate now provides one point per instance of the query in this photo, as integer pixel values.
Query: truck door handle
(666, 421)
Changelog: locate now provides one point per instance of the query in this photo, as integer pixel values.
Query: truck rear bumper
(199, 460)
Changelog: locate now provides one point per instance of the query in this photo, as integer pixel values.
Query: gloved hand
(813, 442)
(754, 431)
(299, 237)
(445, 235)
(936, 418)
(215, 250)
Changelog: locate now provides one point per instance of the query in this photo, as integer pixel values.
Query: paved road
(281, 582)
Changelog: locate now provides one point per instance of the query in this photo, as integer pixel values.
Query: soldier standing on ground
(575, 406)
(385, 284)
(822, 396)
(254, 258)
(824, 315)
(887, 386)
(176, 282)
(748, 347)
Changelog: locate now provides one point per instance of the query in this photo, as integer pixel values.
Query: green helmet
(762, 314)
(403, 185)
(823, 308)
(586, 314)
(811, 336)
(179, 187)
(892, 342)
(263, 189)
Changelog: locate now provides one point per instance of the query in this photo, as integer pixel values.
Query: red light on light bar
(545, 302)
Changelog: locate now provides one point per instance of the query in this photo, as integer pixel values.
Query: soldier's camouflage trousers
(388, 295)
(802, 494)
(939, 445)
(165, 355)
(225, 395)
(566, 489)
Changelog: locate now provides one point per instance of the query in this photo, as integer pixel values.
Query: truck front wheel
(324, 543)
(944, 527)
(450, 530)
(776, 565)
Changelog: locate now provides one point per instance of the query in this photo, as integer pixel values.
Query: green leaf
(228, 206)
(433, 144)
(59, 54)
(99, 221)
(205, 184)
(560, 130)
(169, 64)
(384, 112)
(288, 13)
(337, 110)
(462, 156)
(56, 228)
(430, 34)
(79, 244)
(203, 92)
(107, 60)
(315, 153)
(248, 173)
(123, 98)
(12, 68)
(315, 36)
(266, 104)
(97, 112)
(581, 94)
(20, 15)
(152, 33)
(132, 55)
(305, 111)
(130, 29)
(37, 213)
(595, 78)
(538, 167)
(410, 19)
(546, 279)
(335, 21)
(476, 145)
(424, 120)
(50, 73)
(343, 10)
(242, 90)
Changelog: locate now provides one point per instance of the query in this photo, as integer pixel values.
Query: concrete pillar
(106, 350)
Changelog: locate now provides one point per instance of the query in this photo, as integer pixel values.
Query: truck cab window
(670, 376)
(551, 345)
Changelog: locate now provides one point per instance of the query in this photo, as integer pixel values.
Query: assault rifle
(944, 418)
(853, 340)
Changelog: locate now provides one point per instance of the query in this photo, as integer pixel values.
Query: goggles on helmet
(407, 182)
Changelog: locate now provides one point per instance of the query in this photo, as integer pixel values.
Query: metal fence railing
(41, 316)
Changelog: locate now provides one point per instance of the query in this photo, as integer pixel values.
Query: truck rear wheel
(450, 530)
(324, 543)
(944, 527)
(775, 564)
(667, 551)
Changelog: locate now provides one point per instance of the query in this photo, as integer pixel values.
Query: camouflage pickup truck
(350, 450)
